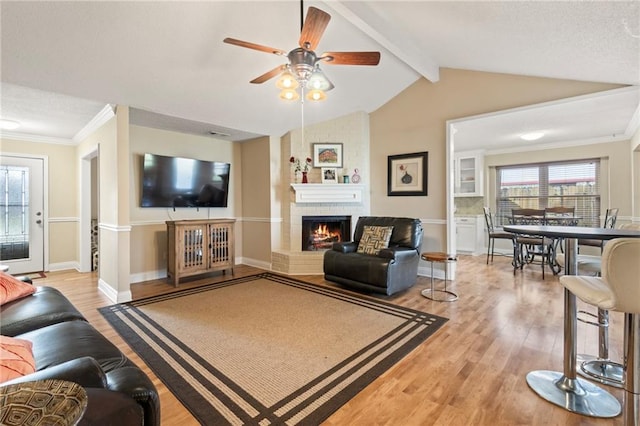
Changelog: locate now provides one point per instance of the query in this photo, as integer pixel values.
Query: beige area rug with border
(268, 349)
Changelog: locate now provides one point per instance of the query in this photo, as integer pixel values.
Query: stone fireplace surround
(291, 259)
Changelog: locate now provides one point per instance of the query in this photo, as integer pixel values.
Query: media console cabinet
(199, 246)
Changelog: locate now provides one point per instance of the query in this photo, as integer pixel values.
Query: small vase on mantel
(304, 177)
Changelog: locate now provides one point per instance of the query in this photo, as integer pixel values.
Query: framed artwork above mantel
(327, 155)
(407, 174)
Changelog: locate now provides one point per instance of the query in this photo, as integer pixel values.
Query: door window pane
(14, 212)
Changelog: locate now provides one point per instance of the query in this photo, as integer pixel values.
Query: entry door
(22, 214)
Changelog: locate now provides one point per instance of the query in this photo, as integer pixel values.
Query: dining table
(564, 388)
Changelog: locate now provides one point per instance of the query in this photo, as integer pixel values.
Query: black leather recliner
(392, 270)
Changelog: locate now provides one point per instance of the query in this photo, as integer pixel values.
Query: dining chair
(560, 216)
(527, 247)
(610, 219)
(494, 233)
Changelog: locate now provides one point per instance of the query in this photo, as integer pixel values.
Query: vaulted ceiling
(62, 62)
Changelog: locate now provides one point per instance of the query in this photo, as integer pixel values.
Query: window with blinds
(558, 184)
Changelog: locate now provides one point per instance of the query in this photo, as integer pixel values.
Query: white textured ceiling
(168, 57)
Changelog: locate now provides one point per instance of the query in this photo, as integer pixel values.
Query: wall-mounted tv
(183, 182)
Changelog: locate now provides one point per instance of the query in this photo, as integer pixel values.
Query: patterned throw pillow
(12, 289)
(16, 358)
(374, 239)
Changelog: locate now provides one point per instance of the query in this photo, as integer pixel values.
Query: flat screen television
(183, 182)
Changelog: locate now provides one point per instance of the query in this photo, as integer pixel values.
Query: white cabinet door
(468, 174)
(470, 234)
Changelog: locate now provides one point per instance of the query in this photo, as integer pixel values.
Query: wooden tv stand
(199, 246)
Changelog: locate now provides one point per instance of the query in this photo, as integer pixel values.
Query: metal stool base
(603, 371)
(447, 296)
(577, 395)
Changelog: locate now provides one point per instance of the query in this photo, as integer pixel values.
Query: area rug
(268, 349)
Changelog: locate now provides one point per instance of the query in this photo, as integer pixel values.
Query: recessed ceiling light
(8, 124)
(533, 136)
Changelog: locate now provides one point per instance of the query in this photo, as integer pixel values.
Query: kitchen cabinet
(470, 234)
(468, 167)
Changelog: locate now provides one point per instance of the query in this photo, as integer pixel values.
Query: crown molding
(634, 123)
(35, 138)
(106, 114)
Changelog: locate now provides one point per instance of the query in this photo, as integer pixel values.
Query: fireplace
(320, 232)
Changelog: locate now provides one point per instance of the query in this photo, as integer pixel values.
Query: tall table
(565, 389)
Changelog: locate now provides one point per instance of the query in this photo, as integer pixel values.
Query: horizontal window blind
(558, 184)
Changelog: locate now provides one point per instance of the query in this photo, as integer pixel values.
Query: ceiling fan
(304, 63)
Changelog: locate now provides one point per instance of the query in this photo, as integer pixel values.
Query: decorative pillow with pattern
(374, 239)
(12, 288)
(16, 358)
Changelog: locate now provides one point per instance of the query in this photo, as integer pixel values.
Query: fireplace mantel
(328, 193)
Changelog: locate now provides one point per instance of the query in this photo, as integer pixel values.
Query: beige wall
(256, 200)
(635, 158)
(415, 121)
(62, 201)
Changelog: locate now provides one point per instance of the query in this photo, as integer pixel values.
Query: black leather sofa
(392, 270)
(67, 347)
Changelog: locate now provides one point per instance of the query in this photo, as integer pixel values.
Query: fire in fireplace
(320, 232)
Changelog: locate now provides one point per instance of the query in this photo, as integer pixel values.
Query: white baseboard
(148, 276)
(255, 263)
(113, 295)
(63, 266)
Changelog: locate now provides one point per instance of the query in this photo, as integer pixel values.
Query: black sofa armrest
(347, 247)
(85, 371)
(135, 383)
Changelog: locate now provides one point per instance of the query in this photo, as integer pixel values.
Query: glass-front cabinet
(468, 174)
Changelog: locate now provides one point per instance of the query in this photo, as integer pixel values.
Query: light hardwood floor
(470, 372)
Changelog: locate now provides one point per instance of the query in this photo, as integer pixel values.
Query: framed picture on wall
(329, 175)
(327, 155)
(407, 174)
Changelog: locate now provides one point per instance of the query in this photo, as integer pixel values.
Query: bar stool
(618, 290)
(600, 368)
(432, 293)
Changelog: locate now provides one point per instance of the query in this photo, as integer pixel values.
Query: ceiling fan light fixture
(289, 95)
(287, 81)
(316, 95)
(318, 81)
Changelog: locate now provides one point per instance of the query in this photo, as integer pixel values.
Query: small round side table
(431, 293)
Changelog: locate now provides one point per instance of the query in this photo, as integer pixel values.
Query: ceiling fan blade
(314, 25)
(254, 46)
(268, 75)
(351, 58)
